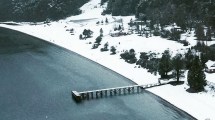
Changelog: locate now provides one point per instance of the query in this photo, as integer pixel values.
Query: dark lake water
(36, 79)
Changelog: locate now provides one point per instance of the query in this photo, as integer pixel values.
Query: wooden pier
(86, 95)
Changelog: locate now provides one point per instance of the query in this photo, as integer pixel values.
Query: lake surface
(36, 79)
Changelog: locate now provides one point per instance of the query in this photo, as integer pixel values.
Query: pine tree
(208, 34)
(106, 21)
(80, 37)
(180, 16)
(101, 32)
(178, 65)
(103, 1)
(196, 76)
(189, 58)
(98, 40)
(200, 32)
(204, 59)
(119, 28)
(105, 47)
(85, 33)
(113, 50)
(165, 64)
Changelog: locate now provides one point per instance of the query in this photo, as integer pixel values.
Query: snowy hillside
(58, 33)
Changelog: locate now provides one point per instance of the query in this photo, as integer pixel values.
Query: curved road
(36, 79)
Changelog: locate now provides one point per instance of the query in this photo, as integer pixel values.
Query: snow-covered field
(200, 105)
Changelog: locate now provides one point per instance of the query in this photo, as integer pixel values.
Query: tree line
(169, 66)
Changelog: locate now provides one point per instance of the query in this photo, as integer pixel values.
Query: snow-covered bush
(87, 33)
(129, 56)
(105, 47)
(113, 50)
(98, 40)
(148, 61)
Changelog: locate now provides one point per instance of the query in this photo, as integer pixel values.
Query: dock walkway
(86, 95)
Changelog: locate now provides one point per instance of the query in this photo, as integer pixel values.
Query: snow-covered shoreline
(200, 105)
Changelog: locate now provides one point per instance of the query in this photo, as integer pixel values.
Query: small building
(118, 33)
(174, 27)
(210, 67)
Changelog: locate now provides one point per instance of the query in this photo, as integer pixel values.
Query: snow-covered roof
(117, 31)
(174, 26)
(210, 64)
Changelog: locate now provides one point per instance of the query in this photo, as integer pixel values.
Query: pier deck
(86, 95)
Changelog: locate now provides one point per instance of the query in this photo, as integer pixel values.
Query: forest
(38, 10)
(185, 13)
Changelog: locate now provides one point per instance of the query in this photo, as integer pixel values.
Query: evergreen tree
(106, 21)
(196, 76)
(116, 7)
(129, 56)
(165, 64)
(119, 28)
(113, 50)
(200, 32)
(105, 47)
(101, 32)
(203, 58)
(131, 23)
(98, 40)
(178, 65)
(85, 33)
(103, 1)
(181, 16)
(122, 7)
(80, 37)
(189, 58)
(208, 34)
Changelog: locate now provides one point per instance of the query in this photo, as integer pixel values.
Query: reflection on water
(37, 78)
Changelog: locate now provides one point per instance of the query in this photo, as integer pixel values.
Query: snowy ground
(200, 105)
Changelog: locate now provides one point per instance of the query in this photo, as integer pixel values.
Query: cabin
(118, 33)
(210, 67)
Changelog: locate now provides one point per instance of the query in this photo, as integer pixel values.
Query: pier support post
(110, 92)
(132, 88)
(96, 94)
(129, 90)
(83, 96)
(101, 93)
(114, 91)
(138, 89)
(87, 95)
(142, 87)
(106, 93)
(91, 95)
(124, 90)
